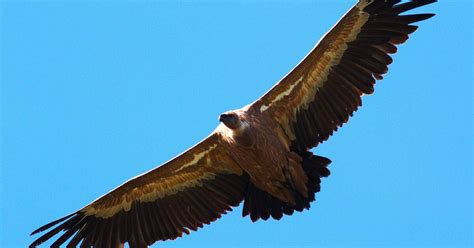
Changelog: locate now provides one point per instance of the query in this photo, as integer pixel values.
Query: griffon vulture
(259, 154)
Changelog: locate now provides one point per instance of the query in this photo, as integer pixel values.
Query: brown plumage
(258, 154)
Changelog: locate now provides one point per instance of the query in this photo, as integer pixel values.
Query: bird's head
(230, 119)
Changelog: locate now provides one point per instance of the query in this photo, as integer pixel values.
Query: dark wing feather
(193, 189)
(324, 90)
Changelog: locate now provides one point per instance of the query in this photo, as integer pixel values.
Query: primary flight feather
(259, 154)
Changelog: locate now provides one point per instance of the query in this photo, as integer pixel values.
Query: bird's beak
(222, 117)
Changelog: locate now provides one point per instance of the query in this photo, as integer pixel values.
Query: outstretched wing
(192, 189)
(323, 91)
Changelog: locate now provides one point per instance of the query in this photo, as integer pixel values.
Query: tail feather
(261, 205)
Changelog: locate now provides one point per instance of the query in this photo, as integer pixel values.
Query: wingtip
(425, 16)
(37, 231)
(53, 223)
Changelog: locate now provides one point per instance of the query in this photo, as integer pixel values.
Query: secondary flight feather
(259, 154)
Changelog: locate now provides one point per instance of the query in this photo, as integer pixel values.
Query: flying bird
(259, 154)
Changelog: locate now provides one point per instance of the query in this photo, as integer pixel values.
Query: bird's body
(259, 154)
(261, 149)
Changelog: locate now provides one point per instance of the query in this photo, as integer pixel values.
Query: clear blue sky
(94, 93)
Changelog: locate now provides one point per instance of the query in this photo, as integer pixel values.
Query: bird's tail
(260, 204)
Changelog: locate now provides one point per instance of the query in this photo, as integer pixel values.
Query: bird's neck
(240, 135)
